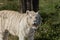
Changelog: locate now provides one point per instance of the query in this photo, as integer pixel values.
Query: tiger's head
(33, 19)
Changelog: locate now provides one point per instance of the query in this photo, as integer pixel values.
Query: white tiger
(19, 24)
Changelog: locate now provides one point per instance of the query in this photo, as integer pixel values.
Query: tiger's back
(9, 20)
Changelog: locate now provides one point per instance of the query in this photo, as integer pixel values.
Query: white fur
(17, 24)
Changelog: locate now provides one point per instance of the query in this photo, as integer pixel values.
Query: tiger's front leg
(21, 36)
(31, 35)
(31, 38)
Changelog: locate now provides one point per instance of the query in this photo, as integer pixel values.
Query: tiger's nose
(35, 20)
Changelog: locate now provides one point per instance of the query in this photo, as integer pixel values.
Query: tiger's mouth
(35, 24)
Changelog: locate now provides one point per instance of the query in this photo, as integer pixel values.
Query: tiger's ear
(37, 12)
(27, 12)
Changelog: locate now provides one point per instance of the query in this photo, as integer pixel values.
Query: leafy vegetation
(50, 13)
